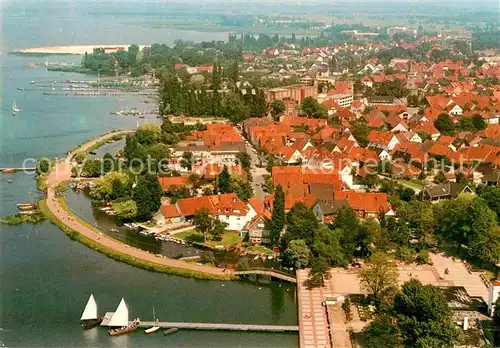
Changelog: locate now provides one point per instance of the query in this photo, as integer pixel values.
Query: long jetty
(221, 326)
(20, 169)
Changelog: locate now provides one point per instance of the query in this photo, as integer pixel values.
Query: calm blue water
(45, 278)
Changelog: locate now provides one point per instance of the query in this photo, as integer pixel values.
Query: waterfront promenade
(62, 172)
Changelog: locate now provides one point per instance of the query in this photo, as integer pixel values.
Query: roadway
(256, 172)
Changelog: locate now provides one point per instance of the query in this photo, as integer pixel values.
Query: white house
(456, 110)
(493, 294)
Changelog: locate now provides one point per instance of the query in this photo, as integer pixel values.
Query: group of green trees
(311, 108)
(445, 125)
(417, 315)
(133, 197)
(465, 223)
(232, 182)
(180, 95)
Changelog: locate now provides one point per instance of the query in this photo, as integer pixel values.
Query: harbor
(119, 323)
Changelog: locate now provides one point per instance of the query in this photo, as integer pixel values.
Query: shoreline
(60, 215)
(68, 50)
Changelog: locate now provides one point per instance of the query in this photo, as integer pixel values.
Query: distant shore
(65, 50)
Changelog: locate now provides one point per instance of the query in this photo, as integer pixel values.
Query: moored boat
(8, 170)
(120, 320)
(154, 328)
(90, 317)
(170, 331)
(26, 206)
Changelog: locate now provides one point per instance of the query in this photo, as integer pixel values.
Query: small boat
(8, 170)
(256, 258)
(154, 328)
(32, 82)
(90, 318)
(20, 89)
(26, 206)
(170, 331)
(115, 230)
(10, 181)
(15, 108)
(120, 320)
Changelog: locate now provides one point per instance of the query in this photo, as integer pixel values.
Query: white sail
(120, 317)
(90, 311)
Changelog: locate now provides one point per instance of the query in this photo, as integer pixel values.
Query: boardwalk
(313, 322)
(221, 326)
(268, 272)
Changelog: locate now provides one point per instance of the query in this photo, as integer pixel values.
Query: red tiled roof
(367, 202)
(169, 211)
(382, 138)
(167, 181)
(223, 204)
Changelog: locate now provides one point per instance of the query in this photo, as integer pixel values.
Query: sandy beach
(78, 49)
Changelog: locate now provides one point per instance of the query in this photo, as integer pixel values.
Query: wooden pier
(220, 326)
(12, 170)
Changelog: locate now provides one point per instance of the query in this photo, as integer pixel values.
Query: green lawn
(411, 184)
(229, 237)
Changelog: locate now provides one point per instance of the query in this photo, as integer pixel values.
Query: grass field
(411, 184)
(229, 237)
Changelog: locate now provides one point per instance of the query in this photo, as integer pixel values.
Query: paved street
(257, 173)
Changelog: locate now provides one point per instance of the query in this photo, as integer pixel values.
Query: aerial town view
(250, 174)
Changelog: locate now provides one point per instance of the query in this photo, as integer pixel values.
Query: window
(260, 225)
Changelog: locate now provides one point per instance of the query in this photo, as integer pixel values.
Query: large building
(296, 93)
(400, 30)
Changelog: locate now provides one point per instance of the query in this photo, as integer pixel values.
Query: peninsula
(56, 211)
(75, 49)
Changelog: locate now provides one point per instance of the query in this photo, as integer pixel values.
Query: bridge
(268, 272)
(220, 326)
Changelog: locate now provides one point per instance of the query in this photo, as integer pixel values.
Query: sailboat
(90, 317)
(155, 327)
(120, 320)
(15, 108)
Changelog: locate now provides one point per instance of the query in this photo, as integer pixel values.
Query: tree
(277, 108)
(148, 134)
(444, 124)
(126, 209)
(423, 316)
(468, 221)
(380, 276)
(479, 123)
(360, 131)
(187, 160)
(234, 74)
(297, 254)
(312, 108)
(278, 215)
(147, 195)
(318, 273)
(208, 224)
(491, 195)
(224, 181)
(381, 333)
(42, 166)
(301, 223)
(108, 163)
(243, 190)
(327, 245)
(244, 160)
(91, 168)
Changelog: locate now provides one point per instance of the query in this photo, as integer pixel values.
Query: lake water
(45, 278)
